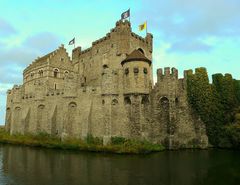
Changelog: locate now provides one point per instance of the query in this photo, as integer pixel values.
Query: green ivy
(215, 103)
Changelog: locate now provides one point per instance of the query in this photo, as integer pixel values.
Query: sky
(187, 33)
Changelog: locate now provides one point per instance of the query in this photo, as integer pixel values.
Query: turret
(137, 73)
(75, 53)
(149, 39)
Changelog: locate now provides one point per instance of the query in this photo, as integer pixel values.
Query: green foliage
(93, 140)
(215, 103)
(118, 140)
(94, 144)
(233, 133)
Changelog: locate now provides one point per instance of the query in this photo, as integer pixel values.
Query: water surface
(37, 166)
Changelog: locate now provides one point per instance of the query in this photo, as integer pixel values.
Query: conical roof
(136, 55)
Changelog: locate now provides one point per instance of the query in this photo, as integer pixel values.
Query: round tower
(137, 73)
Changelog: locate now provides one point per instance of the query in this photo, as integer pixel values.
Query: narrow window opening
(135, 70)
(55, 73)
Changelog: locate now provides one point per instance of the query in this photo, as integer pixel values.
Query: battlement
(16, 88)
(168, 73)
(187, 72)
(197, 70)
(43, 60)
(120, 25)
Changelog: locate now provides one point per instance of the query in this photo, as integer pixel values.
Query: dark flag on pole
(125, 14)
(71, 42)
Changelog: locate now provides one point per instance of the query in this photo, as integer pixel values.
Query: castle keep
(105, 91)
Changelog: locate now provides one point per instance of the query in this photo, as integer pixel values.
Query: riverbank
(118, 145)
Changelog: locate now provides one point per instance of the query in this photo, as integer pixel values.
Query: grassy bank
(118, 145)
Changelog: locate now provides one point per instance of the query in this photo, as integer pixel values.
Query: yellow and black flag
(143, 26)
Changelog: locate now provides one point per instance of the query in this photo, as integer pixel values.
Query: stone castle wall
(95, 93)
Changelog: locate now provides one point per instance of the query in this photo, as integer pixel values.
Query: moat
(27, 166)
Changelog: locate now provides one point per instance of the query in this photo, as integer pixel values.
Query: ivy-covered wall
(217, 104)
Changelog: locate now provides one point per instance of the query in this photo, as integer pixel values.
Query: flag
(71, 42)
(125, 14)
(142, 26)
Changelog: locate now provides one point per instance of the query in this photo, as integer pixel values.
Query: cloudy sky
(187, 33)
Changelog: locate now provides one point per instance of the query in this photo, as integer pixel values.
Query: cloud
(42, 42)
(190, 46)
(184, 21)
(6, 28)
(33, 46)
(13, 60)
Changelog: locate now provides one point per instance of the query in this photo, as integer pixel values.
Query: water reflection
(31, 166)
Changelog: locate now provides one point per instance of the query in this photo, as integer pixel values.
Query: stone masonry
(105, 91)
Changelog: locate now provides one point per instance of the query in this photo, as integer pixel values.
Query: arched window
(40, 72)
(145, 70)
(141, 50)
(32, 74)
(66, 73)
(164, 103)
(114, 102)
(105, 66)
(127, 101)
(55, 72)
(145, 100)
(72, 105)
(41, 106)
(126, 71)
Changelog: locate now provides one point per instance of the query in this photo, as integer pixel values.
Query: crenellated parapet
(122, 27)
(187, 72)
(44, 60)
(168, 73)
(15, 94)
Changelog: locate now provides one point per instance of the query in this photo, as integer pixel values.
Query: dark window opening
(55, 73)
(105, 66)
(135, 70)
(145, 100)
(141, 50)
(145, 70)
(126, 71)
(127, 101)
(72, 105)
(114, 102)
(176, 101)
(40, 72)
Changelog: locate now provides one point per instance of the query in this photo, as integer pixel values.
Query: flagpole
(74, 42)
(129, 16)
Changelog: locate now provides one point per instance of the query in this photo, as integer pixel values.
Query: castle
(105, 91)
